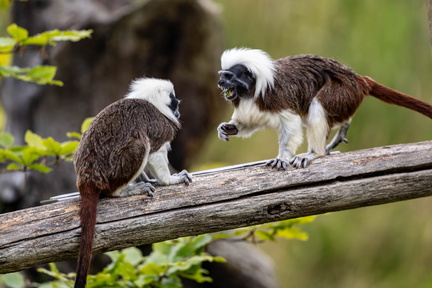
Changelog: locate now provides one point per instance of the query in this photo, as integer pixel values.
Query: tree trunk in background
(180, 40)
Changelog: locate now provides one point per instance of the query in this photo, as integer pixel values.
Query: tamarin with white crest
(288, 93)
(124, 138)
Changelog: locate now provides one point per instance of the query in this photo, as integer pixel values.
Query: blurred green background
(381, 246)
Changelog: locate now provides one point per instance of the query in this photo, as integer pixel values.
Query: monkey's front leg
(290, 136)
(158, 165)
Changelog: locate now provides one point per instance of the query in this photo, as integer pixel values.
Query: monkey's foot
(181, 177)
(338, 138)
(137, 189)
(301, 160)
(277, 163)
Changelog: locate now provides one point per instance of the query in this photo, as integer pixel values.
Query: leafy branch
(40, 154)
(19, 40)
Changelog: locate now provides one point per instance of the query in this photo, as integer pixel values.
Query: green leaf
(293, 233)
(52, 36)
(18, 33)
(73, 135)
(12, 156)
(39, 74)
(189, 246)
(14, 280)
(132, 255)
(14, 167)
(68, 147)
(7, 44)
(264, 235)
(29, 155)
(152, 269)
(6, 140)
(86, 124)
(34, 140)
(39, 167)
(44, 75)
(52, 146)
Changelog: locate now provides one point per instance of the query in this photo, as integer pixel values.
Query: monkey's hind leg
(144, 178)
(139, 188)
(339, 137)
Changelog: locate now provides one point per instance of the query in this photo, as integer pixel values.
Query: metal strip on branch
(75, 195)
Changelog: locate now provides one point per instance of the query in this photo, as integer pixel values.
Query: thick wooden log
(220, 201)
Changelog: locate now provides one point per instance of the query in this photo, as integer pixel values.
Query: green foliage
(40, 74)
(169, 261)
(164, 267)
(286, 229)
(40, 154)
(19, 40)
(12, 280)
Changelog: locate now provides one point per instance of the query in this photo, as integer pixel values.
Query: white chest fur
(249, 115)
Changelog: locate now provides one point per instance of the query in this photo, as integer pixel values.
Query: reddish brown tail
(391, 96)
(89, 199)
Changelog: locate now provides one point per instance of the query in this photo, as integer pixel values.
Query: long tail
(89, 199)
(391, 96)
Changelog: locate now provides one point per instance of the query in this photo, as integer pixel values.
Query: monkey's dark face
(174, 105)
(236, 81)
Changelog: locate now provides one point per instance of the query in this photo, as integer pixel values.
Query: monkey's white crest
(155, 91)
(259, 63)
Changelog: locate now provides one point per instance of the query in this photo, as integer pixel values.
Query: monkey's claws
(225, 129)
(277, 164)
(184, 176)
(302, 160)
(299, 162)
(139, 188)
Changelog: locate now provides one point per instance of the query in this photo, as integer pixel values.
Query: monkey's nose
(226, 74)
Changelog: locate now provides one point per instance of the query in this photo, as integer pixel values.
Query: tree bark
(220, 201)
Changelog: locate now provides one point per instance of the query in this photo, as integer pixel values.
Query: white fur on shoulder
(155, 91)
(259, 63)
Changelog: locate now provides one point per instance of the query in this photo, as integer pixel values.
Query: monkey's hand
(225, 129)
(181, 177)
(277, 163)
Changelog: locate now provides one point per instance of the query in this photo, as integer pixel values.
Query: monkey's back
(300, 78)
(118, 141)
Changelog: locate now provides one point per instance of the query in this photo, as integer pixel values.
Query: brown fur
(298, 79)
(110, 154)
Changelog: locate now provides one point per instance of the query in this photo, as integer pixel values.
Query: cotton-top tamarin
(123, 139)
(288, 93)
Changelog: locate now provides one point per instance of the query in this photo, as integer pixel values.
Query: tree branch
(220, 201)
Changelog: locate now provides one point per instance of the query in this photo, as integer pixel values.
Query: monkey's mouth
(229, 93)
